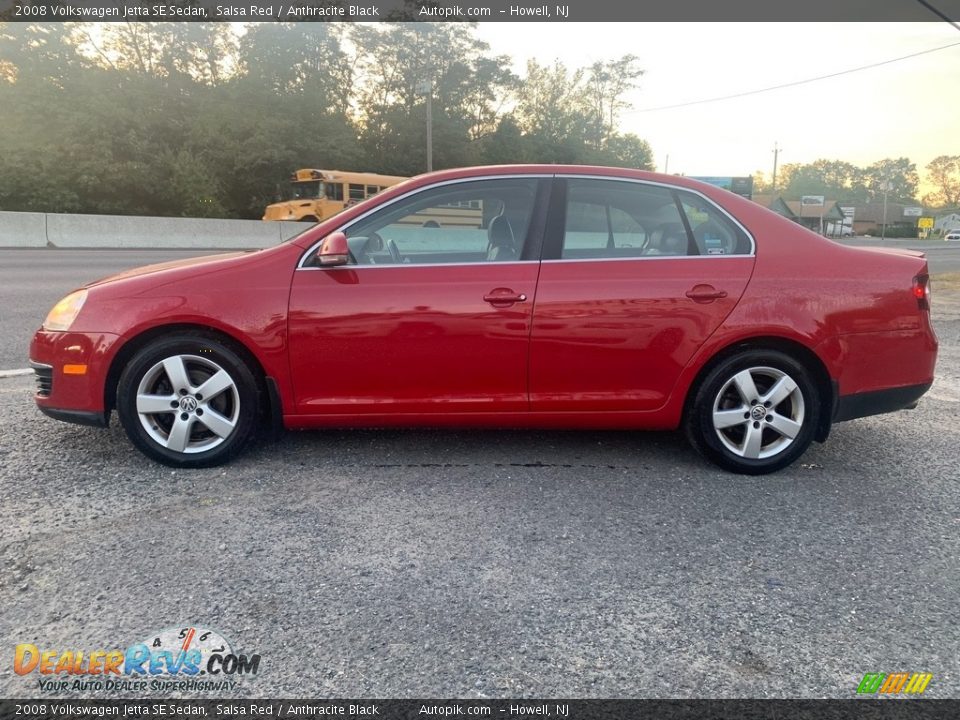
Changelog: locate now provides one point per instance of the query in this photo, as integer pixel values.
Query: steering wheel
(394, 252)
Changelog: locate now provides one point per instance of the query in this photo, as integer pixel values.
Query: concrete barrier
(120, 231)
(23, 229)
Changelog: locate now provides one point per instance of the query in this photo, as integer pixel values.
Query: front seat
(501, 244)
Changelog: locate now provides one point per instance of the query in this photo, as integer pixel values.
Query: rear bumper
(876, 402)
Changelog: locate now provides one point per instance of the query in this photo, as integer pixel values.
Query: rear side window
(713, 232)
(614, 219)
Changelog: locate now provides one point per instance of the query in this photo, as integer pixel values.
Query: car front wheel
(188, 401)
(755, 412)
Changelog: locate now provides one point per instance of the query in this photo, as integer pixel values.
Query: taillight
(921, 291)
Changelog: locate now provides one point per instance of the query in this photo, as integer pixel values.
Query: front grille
(44, 377)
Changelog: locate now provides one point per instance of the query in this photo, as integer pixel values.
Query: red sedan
(526, 296)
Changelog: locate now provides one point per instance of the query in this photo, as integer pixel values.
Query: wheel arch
(800, 352)
(134, 344)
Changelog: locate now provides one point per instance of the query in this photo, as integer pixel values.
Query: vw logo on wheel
(188, 403)
(759, 412)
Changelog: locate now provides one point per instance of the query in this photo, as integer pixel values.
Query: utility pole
(666, 165)
(886, 188)
(425, 87)
(430, 126)
(776, 153)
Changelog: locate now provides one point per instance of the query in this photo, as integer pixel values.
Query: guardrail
(60, 230)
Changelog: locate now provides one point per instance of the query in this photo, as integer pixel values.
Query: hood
(170, 265)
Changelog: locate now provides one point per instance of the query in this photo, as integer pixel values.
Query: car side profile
(513, 296)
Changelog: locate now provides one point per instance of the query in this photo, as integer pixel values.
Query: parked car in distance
(952, 235)
(539, 296)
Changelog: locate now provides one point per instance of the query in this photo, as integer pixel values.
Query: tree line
(850, 184)
(194, 119)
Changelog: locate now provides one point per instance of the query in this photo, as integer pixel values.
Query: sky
(908, 108)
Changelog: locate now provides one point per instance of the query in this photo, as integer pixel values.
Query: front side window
(305, 190)
(615, 219)
(468, 222)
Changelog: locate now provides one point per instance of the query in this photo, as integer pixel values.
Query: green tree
(898, 175)
(606, 85)
(943, 173)
(629, 151)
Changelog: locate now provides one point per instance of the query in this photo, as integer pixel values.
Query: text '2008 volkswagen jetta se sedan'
(514, 296)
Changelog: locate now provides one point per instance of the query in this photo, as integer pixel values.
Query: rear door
(635, 277)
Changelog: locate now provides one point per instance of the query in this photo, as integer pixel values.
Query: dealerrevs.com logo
(182, 659)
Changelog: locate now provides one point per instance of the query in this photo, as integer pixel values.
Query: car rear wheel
(188, 401)
(755, 412)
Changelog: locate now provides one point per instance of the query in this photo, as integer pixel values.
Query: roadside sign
(925, 222)
(812, 200)
(912, 211)
(742, 186)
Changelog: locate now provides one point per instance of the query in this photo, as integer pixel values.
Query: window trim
(534, 224)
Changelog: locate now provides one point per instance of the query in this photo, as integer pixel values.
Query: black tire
(200, 431)
(757, 439)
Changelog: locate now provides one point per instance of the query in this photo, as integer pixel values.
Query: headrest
(500, 234)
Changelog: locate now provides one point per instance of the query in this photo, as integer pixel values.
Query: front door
(433, 313)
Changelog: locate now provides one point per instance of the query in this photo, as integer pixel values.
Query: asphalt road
(31, 281)
(498, 564)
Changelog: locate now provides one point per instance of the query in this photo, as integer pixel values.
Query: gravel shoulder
(500, 564)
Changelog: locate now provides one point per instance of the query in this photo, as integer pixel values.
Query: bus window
(334, 191)
(356, 192)
(372, 190)
(305, 190)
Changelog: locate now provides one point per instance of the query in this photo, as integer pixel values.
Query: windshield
(305, 190)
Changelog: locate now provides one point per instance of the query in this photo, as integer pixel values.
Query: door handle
(504, 296)
(705, 293)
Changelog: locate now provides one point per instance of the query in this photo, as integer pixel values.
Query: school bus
(317, 194)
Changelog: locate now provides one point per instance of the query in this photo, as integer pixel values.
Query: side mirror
(333, 250)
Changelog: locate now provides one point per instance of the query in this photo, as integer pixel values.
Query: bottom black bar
(423, 709)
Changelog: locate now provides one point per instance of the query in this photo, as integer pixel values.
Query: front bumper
(78, 417)
(72, 396)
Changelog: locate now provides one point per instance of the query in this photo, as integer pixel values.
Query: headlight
(65, 311)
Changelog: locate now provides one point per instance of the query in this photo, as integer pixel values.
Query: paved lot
(466, 564)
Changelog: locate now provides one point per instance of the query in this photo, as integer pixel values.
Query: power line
(939, 14)
(792, 84)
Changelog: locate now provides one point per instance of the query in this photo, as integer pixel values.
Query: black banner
(480, 10)
(562, 709)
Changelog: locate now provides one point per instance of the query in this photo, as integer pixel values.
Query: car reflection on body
(515, 296)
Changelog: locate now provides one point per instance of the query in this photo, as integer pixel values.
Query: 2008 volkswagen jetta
(516, 296)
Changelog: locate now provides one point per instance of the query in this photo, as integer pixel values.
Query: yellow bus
(318, 194)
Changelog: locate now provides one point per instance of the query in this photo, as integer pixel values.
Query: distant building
(824, 219)
(946, 221)
(869, 220)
